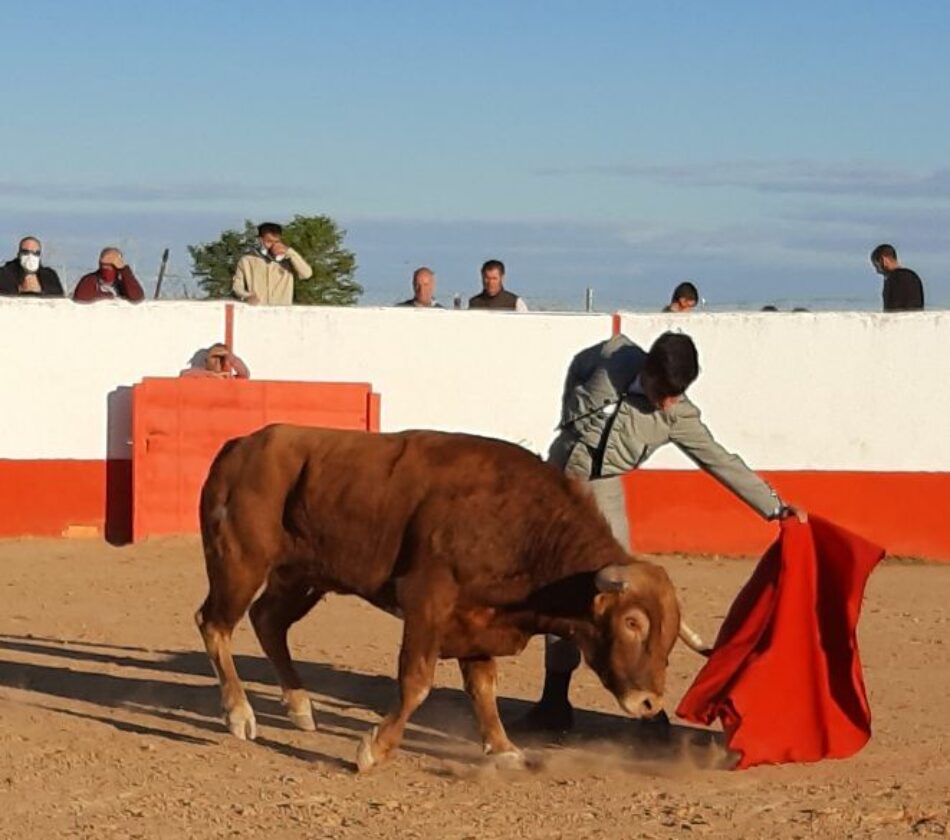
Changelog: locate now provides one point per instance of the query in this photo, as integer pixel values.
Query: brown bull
(476, 543)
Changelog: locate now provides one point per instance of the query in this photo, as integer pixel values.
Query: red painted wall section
(179, 425)
(688, 511)
(53, 498)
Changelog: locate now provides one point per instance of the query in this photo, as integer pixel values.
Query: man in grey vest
(494, 295)
(620, 405)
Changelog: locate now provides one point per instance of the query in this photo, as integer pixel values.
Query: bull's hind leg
(232, 586)
(281, 604)
(480, 677)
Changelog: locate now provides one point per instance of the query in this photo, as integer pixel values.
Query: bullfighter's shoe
(553, 713)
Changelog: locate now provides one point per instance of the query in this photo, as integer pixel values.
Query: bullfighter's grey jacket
(608, 426)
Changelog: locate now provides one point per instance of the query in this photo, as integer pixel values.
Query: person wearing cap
(217, 362)
(25, 274)
(113, 280)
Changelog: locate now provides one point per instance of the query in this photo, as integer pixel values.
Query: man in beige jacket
(266, 275)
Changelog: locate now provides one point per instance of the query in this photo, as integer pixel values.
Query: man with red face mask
(113, 280)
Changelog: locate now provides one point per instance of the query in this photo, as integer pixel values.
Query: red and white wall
(844, 412)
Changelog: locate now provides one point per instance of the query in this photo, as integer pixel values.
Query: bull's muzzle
(642, 704)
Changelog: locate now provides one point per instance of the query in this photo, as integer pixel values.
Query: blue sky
(760, 149)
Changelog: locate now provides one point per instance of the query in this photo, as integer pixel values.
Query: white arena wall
(841, 410)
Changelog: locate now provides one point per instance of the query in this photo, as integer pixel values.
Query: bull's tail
(234, 573)
(242, 510)
(214, 493)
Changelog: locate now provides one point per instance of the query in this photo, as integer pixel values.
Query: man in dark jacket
(494, 295)
(903, 289)
(25, 275)
(113, 280)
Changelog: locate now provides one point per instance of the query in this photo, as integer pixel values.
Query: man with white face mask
(266, 275)
(25, 274)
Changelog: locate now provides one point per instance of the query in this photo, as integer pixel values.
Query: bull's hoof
(300, 710)
(242, 723)
(303, 720)
(512, 759)
(365, 759)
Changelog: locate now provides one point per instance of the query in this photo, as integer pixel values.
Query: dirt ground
(109, 723)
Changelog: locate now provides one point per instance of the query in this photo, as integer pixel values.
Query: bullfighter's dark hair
(671, 366)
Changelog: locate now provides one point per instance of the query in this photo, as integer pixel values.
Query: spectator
(266, 275)
(25, 274)
(423, 290)
(217, 362)
(494, 295)
(113, 279)
(770, 307)
(903, 289)
(685, 297)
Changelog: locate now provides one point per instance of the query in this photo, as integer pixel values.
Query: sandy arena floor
(109, 723)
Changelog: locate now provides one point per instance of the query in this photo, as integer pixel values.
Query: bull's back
(359, 509)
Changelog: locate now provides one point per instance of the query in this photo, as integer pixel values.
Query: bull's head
(636, 620)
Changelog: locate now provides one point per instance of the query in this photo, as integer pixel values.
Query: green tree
(316, 238)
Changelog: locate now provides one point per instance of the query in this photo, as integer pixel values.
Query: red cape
(784, 676)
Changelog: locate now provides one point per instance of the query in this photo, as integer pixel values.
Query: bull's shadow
(443, 727)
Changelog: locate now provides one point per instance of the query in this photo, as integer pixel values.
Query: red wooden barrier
(178, 426)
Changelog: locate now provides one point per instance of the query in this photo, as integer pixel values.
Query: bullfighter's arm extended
(692, 436)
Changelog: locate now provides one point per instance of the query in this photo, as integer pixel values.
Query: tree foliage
(317, 239)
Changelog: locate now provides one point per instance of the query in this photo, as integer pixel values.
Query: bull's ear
(602, 603)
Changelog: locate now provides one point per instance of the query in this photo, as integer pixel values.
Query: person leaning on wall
(26, 275)
(216, 362)
(113, 280)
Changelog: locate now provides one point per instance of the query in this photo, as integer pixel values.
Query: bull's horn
(693, 640)
(612, 579)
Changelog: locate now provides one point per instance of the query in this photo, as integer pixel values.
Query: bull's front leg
(480, 677)
(421, 641)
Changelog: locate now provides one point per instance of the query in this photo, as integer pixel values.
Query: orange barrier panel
(62, 497)
(688, 511)
(178, 426)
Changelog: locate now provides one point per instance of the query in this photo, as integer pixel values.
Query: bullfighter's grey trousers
(561, 655)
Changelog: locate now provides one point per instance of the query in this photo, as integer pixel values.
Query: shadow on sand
(444, 727)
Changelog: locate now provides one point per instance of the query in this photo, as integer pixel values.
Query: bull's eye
(633, 625)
